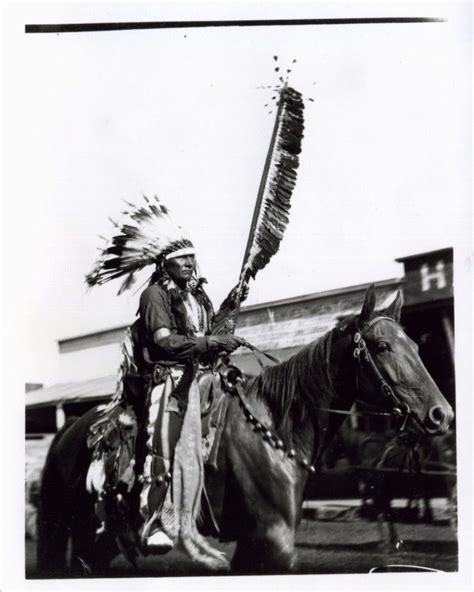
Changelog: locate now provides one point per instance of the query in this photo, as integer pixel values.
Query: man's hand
(244, 292)
(234, 296)
(227, 343)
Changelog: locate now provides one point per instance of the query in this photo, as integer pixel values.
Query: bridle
(232, 381)
(362, 355)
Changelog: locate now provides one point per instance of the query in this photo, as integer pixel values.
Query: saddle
(214, 403)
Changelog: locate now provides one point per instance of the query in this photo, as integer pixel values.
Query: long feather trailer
(270, 217)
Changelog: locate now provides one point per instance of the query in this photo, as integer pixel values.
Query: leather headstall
(362, 354)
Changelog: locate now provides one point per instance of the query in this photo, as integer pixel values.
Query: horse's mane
(291, 387)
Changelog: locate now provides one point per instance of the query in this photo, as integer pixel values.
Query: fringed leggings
(163, 430)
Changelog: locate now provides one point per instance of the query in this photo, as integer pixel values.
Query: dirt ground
(324, 547)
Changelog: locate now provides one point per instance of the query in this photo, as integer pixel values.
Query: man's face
(180, 269)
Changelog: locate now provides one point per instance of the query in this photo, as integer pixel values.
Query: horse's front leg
(428, 512)
(388, 532)
(83, 532)
(267, 550)
(389, 537)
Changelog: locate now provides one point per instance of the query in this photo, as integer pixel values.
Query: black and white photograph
(237, 264)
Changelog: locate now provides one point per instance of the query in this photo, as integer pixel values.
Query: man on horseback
(173, 343)
(175, 356)
(178, 342)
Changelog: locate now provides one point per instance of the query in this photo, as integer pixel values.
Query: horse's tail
(52, 526)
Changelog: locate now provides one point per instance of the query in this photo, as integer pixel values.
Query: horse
(277, 427)
(386, 469)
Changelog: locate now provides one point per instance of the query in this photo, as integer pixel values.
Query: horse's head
(389, 368)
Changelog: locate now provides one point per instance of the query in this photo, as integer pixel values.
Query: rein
(355, 413)
(256, 351)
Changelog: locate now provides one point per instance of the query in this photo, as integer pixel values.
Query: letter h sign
(436, 275)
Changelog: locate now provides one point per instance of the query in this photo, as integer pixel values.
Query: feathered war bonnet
(146, 236)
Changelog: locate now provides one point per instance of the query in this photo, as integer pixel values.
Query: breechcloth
(167, 400)
(167, 405)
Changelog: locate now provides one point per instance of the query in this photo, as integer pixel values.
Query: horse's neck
(339, 396)
(298, 433)
(324, 383)
(342, 374)
(259, 405)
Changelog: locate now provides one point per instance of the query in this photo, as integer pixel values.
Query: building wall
(94, 362)
(297, 322)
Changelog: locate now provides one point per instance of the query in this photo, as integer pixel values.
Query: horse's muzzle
(438, 419)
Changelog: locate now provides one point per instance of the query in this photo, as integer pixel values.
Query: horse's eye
(383, 346)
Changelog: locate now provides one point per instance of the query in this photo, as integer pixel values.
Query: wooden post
(449, 333)
(354, 420)
(60, 416)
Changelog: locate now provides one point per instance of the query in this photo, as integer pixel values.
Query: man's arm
(178, 347)
(183, 348)
(160, 325)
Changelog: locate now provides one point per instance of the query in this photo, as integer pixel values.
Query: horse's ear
(369, 304)
(394, 310)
